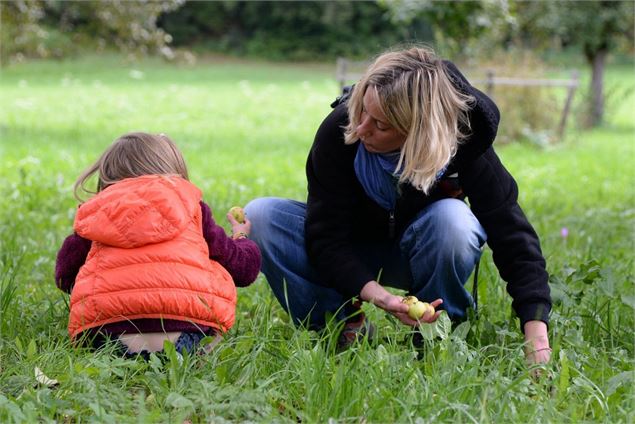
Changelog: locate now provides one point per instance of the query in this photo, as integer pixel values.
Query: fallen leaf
(43, 379)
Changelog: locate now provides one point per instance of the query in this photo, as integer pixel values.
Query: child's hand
(239, 230)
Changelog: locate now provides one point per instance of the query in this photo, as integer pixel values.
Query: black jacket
(339, 210)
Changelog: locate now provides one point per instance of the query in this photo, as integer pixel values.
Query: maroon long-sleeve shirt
(241, 258)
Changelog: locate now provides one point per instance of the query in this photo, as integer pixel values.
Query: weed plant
(245, 129)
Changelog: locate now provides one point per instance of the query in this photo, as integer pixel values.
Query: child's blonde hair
(133, 155)
(418, 98)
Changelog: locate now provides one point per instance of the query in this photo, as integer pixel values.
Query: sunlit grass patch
(245, 129)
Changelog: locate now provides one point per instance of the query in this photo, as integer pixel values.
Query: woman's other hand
(537, 350)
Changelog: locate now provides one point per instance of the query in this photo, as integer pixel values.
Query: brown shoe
(355, 331)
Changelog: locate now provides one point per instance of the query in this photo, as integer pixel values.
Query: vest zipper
(391, 224)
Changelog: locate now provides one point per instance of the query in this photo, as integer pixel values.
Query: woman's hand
(239, 230)
(374, 293)
(537, 350)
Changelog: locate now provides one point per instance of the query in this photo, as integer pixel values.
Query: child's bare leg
(151, 342)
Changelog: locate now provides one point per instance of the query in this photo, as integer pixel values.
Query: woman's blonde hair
(419, 100)
(133, 155)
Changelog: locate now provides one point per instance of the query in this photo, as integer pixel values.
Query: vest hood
(484, 118)
(138, 211)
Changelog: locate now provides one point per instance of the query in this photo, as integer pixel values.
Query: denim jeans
(433, 259)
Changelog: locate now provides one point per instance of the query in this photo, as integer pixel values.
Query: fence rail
(348, 71)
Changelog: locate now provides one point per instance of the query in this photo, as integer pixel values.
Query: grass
(245, 129)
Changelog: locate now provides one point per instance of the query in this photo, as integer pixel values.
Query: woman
(387, 174)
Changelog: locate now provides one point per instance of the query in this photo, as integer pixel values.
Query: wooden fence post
(341, 71)
(567, 106)
(489, 84)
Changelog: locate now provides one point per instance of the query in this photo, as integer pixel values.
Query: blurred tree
(596, 27)
(298, 30)
(20, 29)
(43, 28)
(460, 27)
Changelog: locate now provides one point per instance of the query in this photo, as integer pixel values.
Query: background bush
(529, 114)
(307, 30)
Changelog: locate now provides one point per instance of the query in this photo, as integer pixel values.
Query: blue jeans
(187, 341)
(433, 259)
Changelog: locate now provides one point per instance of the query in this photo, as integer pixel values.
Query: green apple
(416, 310)
(410, 300)
(430, 309)
(238, 213)
(419, 309)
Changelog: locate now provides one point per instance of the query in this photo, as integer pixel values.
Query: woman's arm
(493, 195)
(70, 258)
(333, 195)
(241, 258)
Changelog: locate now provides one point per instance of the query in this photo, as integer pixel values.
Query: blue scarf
(378, 175)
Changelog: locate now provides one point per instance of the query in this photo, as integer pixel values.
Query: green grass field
(245, 129)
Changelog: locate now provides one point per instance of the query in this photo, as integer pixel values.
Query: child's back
(147, 262)
(148, 258)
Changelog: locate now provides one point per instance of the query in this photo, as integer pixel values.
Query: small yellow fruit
(238, 213)
(417, 310)
(410, 300)
(420, 309)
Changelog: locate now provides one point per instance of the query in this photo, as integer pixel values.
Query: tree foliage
(319, 30)
(289, 30)
(55, 28)
(596, 28)
(459, 27)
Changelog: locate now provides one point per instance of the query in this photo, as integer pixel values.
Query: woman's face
(374, 130)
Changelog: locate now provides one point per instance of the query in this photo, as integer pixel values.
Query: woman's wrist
(373, 292)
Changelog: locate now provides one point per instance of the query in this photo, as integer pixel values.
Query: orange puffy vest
(148, 258)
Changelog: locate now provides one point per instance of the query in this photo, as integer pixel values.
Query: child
(146, 262)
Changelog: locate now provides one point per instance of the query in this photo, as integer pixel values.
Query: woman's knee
(462, 229)
(451, 226)
(271, 215)
(257, 210)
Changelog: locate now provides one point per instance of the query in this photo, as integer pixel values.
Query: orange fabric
(148, 258)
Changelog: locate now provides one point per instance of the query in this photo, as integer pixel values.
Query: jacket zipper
(391, 213)
(391, 224)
